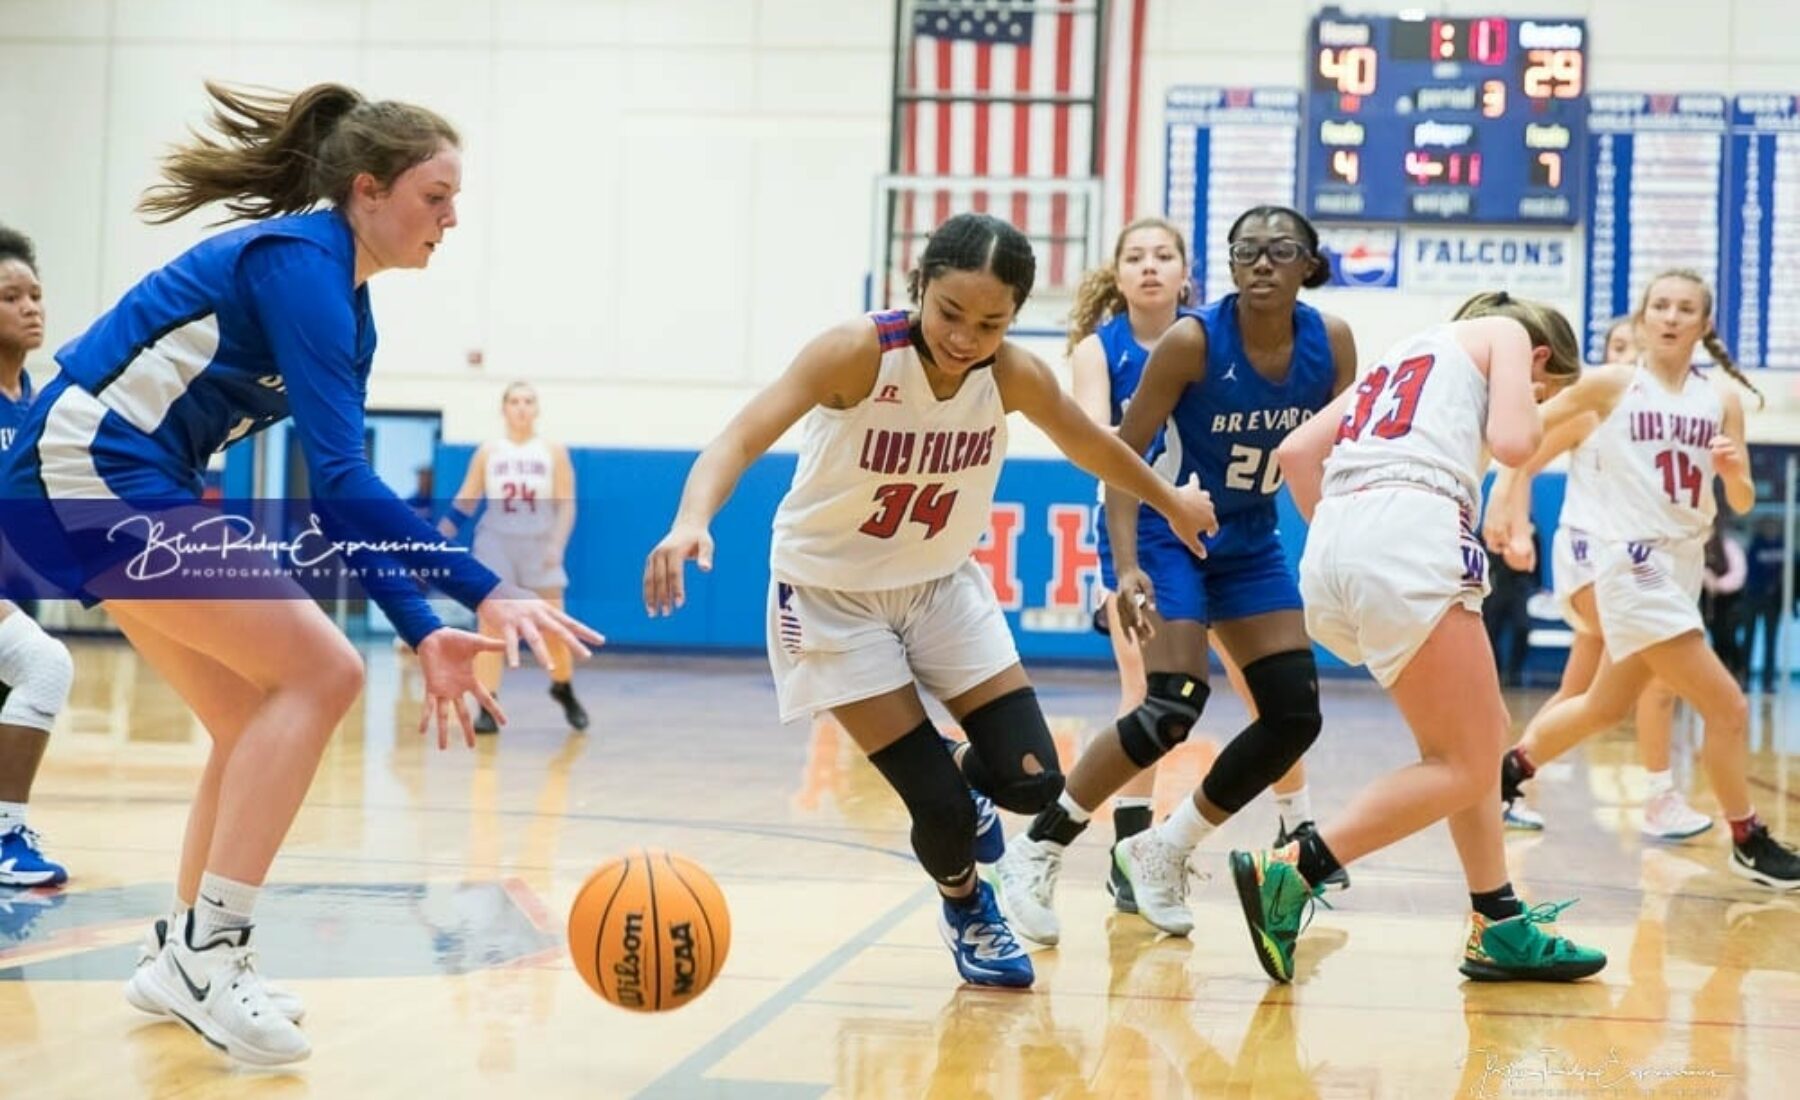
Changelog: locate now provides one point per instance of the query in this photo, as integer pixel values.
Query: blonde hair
(1098, 297)
(1546, 326)
(514, 387)
(1623, 320)
(1715, 347)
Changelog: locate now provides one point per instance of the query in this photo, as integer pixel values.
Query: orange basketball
(649, 930)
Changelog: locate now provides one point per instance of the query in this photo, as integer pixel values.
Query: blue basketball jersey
(1125, 359)
(1227, 427)
(235, 334)
(12, 413)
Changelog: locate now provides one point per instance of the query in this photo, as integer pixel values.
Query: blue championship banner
(1763, 232)
(1656, 192)
(1227, 149)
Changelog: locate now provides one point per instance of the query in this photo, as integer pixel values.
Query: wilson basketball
(649, 930)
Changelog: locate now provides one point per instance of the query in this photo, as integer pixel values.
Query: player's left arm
(1027, 386)
(562, 491)
(1303, 452)
(1731, 455)
(468, 498)
(298, 296)
(1343, 352)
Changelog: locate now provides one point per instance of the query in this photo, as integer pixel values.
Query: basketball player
(1393, 576)
(874, 594)
(245, 329)
(1233, 379)
(523, 533)
(1664, 432)
(35, 669)
(1667, 816)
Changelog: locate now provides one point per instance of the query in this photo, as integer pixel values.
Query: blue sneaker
(986, 952)
(22, 862)
(990, 835)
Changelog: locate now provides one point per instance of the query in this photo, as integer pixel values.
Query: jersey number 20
(1245, 462)
(1405, 383)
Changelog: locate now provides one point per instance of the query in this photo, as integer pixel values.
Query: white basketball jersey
(520, 479)
(1420, 414)
(1583, 494)
(898, 489)
(1655, 452)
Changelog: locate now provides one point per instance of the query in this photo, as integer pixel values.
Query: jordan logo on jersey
(1230, 374)
(889, 395)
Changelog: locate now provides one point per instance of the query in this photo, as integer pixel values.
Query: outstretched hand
(513, 615)
(665, 587)
(447, 663)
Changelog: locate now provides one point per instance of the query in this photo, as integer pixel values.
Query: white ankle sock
(221, 904)
(1658, 783)
(11, 814)
(178, 911)
(1073, 808)
(1294, 808)
(1185, 828)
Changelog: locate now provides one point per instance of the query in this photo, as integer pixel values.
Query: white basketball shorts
(1382, 566)
(829, 647)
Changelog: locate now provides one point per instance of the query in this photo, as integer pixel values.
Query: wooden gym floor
(419, 903)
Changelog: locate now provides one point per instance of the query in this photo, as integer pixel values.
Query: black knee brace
(1285, 688)
(1011, 756)
(1170, 708)
(919, 768)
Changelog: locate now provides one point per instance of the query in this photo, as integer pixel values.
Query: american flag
(971, 60)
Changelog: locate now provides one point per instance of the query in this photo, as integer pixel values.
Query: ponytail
(1097, 299)
(276, 153)
(1722, 356)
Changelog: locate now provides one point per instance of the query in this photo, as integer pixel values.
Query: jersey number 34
(928, 507)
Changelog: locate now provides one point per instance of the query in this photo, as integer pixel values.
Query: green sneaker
(1276, 900)
(1517, 950)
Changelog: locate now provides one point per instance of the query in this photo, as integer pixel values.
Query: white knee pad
(38, 670)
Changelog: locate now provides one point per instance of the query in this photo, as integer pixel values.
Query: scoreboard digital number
(1445, 120)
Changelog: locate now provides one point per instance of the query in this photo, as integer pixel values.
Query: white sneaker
(1026, 883)
(1159, 880)
(1669, 817)
(215, 990)
(138, 996)
(1520, 818)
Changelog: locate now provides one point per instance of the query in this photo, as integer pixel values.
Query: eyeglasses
(1280, 251)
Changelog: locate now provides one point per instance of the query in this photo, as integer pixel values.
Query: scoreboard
(1422, 119)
